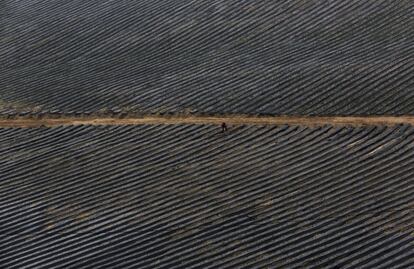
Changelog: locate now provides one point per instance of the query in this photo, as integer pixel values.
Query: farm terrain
(187, 196)
(292, 57)
(112, 155)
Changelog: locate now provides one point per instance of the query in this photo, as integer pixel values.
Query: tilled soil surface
(337, 57)
(189, 196)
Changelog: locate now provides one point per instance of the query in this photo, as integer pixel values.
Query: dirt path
(231, 120)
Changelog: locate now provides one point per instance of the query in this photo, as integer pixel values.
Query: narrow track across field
(231, 119)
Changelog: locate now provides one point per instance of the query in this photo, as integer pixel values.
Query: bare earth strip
(231, 120)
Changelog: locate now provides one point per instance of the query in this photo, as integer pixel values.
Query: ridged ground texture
(188, 196)
(312, 57)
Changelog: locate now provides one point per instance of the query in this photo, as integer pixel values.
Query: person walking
(223, 127)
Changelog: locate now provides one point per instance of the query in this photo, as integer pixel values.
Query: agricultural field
(112, 155)
(189, 196)
(296, 57)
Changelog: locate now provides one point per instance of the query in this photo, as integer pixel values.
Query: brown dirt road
(231, 120)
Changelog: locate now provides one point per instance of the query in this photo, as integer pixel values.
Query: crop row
(249, 57)
(188, 196)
